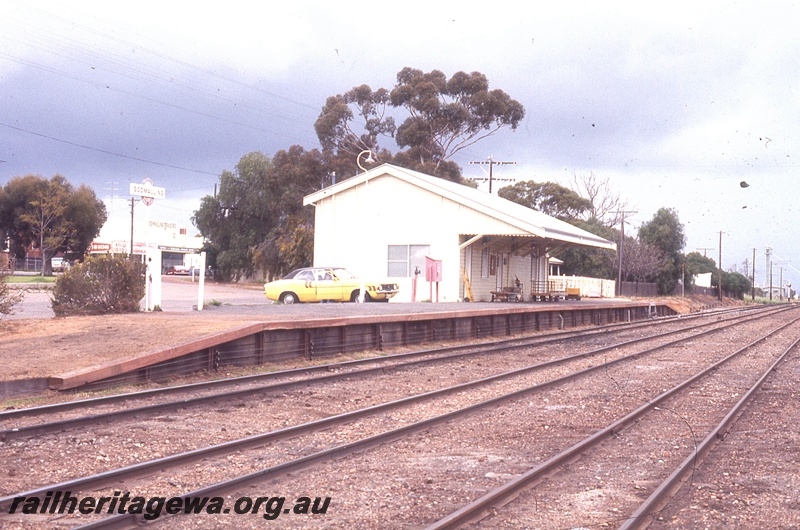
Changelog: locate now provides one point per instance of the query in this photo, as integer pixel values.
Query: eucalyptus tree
(547, 197)
(257, 222)
(442, 117)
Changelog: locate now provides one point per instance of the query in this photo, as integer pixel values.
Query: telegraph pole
(619, 250)
(768, 270)
(704, 249)
(770, 281)
(719, 265)
(112, 187)
(133, 203)
(753, 294)
(491, 164)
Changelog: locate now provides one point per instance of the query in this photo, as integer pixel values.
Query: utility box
(433, 269)
(433, 274)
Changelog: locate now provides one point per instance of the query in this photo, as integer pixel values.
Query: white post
(201, 284)
(153, 258)
(149, 193)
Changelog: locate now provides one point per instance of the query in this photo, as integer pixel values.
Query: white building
(178, 244)
(384, 223)
(703, 279)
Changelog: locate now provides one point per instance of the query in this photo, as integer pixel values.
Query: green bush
(101, 284)
(8, 297)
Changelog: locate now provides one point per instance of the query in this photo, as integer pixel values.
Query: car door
(304, 286)
(328, 287)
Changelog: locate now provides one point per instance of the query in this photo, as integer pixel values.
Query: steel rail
(231, 381)
(666, 489)
(187, 457)
(148, 410)
(144, 468)
(503, 494)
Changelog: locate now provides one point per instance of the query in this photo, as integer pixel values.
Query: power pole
(621, 241)
(753, 294)
(133, 203)
(768, 270)
(770, 281)
(704, 249)
(719, 266)
(112, 187)
(491, 178)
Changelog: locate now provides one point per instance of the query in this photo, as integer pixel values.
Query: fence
(590, 287)
(640, 289)
(709, 291)
(25, 264)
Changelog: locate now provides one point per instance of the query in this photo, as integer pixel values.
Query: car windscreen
(343, 274)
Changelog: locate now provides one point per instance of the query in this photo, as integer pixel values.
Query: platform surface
(35, 345)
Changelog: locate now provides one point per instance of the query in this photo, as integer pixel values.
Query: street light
(368, 160)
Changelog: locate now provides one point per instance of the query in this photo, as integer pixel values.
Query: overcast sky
(675, 104)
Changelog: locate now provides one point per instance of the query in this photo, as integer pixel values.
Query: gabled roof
(525, 219)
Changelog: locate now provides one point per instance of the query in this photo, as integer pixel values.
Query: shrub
(8, 297)
(101, 284)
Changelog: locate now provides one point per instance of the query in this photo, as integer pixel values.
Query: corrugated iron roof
(530, 221)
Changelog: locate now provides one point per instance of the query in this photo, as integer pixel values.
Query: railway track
(16, 423)
(669, 401)
(550, 374)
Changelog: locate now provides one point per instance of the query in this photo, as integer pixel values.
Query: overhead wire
(116, 64)
(168, 57)
(76, 144)
(78, 49)
(69, 48)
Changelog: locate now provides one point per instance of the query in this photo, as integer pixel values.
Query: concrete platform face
(276, 332)
(326, 330)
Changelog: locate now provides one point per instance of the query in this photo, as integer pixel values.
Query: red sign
(99, 247)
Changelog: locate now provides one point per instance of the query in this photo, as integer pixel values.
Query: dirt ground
(44, 347)
(694, 303)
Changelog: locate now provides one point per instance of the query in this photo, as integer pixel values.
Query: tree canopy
(448, 115)
(444, 116)
(257, 222)
(547, 197)
(665, 232)
(50, 215)
(695, 263)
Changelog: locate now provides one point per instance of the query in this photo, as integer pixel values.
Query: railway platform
(316, 331)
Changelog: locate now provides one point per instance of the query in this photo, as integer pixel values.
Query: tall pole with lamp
(368, 160)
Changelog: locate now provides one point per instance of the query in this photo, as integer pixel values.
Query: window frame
(410, 259)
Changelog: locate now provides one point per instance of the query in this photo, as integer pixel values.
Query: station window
(403, 259)
(485, 262)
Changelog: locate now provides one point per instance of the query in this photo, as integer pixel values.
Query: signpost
(149, 193)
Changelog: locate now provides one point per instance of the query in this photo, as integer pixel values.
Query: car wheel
(355, 298)
(289, 298)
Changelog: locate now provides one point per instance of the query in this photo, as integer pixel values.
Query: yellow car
(335, 284)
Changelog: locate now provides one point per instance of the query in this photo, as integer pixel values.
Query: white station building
(392, 222)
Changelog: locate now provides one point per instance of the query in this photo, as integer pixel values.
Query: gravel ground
(416, 480)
